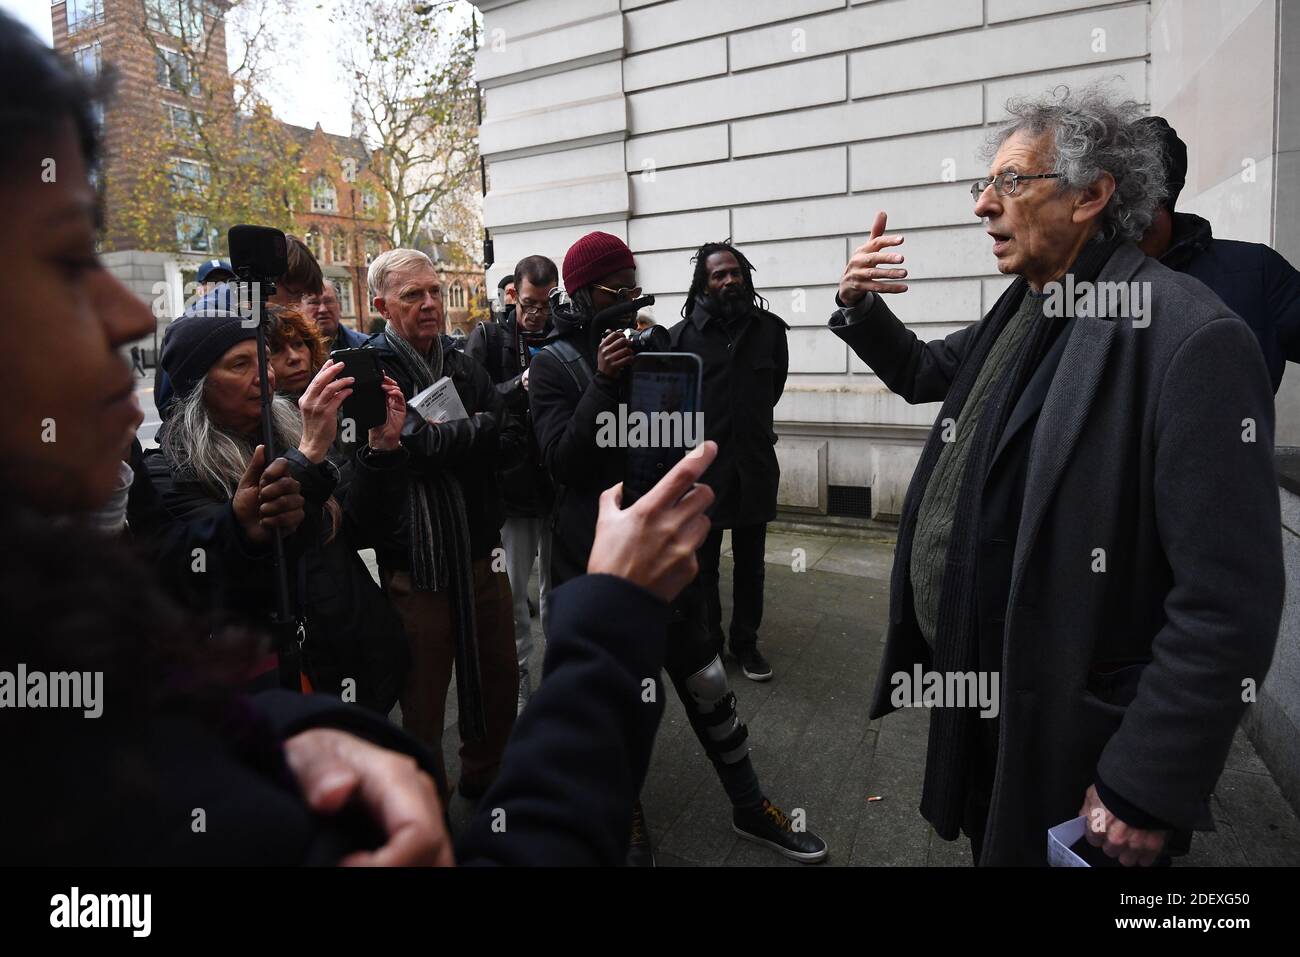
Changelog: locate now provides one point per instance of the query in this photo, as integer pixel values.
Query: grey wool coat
(1155, 444)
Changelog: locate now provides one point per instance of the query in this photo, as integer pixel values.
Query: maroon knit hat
(593, 256)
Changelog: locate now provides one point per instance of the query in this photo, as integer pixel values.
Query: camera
(622, 316)
(650, 339)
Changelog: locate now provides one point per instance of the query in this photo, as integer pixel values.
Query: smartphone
(664, 418)
(367, 406)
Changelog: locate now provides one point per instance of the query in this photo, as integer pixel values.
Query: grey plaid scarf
(440, 552)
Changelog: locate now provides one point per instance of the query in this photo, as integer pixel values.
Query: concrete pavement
(814, 748)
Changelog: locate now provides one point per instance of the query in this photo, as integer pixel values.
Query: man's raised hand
(871, 265)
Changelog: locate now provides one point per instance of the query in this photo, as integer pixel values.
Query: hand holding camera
(614, 353)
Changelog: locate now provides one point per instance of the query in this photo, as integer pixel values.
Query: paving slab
(860, 559)
(815, 750)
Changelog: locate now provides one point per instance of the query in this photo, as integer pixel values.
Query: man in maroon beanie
(576, 377)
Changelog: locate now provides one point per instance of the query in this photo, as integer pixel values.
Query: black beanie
(195, 344)
(1175, 155)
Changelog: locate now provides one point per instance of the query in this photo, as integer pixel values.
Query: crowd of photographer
(182, 760)
(215, 584)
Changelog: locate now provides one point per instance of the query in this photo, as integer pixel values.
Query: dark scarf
(440, 552)
(954, 731)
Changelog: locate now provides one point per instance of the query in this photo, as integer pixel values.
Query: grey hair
(1094, 133)
(216, 457)
(389, 262)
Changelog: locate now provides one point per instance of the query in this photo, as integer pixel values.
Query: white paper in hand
(439, 403)
(1059, 841)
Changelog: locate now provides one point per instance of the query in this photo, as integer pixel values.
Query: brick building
(169, 61)
(158, 51)
(345, 221)
(463, 289)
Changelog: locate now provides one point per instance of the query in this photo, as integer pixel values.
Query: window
(190, 178)
(97, 116)
(181, 19)
(372, 250)
(339, 247)
(314, 243)
(89, 59)
(186, 124)
(193, 233)
(174, 72)
(324, 198)
(457, 296)
(83, 14)
(369, 201)
(345, 296)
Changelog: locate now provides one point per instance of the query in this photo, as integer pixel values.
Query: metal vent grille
(848, 501)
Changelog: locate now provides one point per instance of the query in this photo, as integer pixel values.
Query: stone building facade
(786, 124)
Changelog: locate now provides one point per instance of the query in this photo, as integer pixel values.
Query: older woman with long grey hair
(208, 475)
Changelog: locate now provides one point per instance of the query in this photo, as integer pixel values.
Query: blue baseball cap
(216, 266)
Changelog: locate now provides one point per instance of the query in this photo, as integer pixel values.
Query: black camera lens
(649, 339)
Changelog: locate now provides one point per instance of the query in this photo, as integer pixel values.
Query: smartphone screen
(663, 420)
(366, 406)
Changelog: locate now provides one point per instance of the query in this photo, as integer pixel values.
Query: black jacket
(564, 418)
(744, 376)
(1253, 280)
(525, 487)
(473, 449)
(1140, 595)
(578, 754)
(124, 788)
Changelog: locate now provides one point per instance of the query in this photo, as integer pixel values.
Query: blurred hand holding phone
(664, 399)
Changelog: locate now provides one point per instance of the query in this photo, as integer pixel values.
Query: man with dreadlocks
(438, 566)
(743, 347)
(575, 378)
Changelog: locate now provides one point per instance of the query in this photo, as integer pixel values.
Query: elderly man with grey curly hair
(1092, 529)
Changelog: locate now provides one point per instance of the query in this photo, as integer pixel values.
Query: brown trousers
(427, 617)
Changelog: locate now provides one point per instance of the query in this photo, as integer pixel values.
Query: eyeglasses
(534, 309)
(624, 293)
(1005, 184)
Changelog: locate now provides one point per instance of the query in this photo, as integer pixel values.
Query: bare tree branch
(410, 67)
